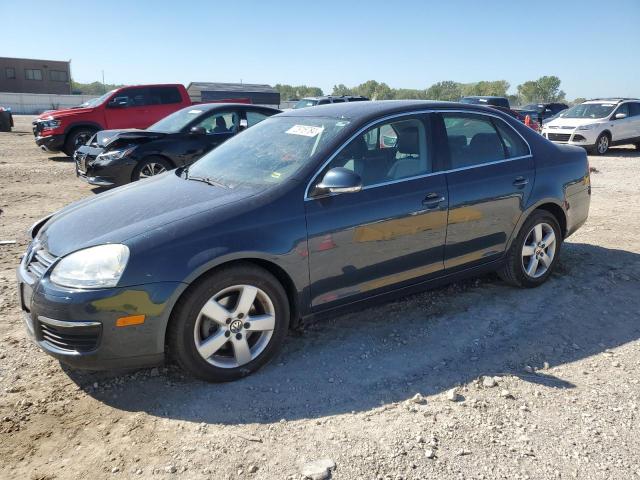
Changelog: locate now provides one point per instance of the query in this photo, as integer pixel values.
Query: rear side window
(634, 109)
(164, 95)
(472, 140)
(513, 143)
(132, 97)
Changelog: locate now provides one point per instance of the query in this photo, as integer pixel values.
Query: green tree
(544, 89)
(578, 101)
(409, 94)
(95, 88)
(341, 89)
(288, 91)
(496, 88)
(447, 90)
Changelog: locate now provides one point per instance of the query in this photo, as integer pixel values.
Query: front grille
(73, 339)
(40, 262)
(559, 137)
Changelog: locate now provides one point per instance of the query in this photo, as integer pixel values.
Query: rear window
(164, 95)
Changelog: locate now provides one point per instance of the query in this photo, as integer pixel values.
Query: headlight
(587, 127)
(94, 267)
(50, 123)
(115, 154)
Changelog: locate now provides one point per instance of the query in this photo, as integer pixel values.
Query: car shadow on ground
(425, 343)
(61, 158)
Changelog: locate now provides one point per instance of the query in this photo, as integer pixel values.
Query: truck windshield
(94, 102)
(589, 110)
(177, 120)
(269, 152)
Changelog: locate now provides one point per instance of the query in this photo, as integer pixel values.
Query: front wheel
(534, 253)
(602, 144)
(150, 167)
(230, 324)
(76, 139)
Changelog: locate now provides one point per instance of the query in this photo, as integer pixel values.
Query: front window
(388, 152)
(268, 153)
(305, 102)
(590, 110)
(220, 122)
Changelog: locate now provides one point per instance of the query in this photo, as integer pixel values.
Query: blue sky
(593, 46)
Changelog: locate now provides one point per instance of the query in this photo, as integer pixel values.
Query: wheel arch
(75, 126)
(550, 205)
(276, 270)
(159, 155)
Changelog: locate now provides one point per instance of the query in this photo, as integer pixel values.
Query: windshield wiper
(208, 180)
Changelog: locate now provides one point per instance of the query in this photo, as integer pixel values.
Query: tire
(602, 144)
(149, 167)
(76, 138)
(514, 272)
(239, 344)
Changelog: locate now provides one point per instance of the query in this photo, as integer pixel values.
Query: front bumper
(101, 175)
(579, 138)
(78, 327)
(51, 143)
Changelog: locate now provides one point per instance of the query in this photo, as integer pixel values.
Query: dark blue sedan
(308, 213)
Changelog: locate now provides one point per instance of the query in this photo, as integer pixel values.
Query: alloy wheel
(603, 144)
(81, 139)
(151, 169)
(538, 250)
(234, 326)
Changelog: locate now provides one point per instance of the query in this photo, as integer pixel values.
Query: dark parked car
(327, 99)
(116, 157)
(542, 111)
(486, 100)
(6, 119)
(533, 124)
(307, 213)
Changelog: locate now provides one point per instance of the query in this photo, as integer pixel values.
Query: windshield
(305, 102)
(94, 102)
(177, 120)
(589, 110)
(267, 153)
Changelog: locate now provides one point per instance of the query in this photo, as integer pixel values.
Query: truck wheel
(150, 167)
(77, 138)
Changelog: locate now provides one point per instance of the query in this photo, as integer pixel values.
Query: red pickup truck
(127, 107)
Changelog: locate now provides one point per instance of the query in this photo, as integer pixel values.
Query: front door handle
(432, 200)
(520, 182)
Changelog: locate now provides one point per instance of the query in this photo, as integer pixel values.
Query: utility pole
(104, 87)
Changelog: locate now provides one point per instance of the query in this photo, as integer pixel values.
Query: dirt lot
(547, 381)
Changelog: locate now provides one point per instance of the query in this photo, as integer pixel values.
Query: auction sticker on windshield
(305, 130)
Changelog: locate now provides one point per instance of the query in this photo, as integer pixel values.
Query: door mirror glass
(339, 180)
(198, 131)
(620, 116)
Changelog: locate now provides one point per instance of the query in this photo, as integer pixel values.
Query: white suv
(597, 124)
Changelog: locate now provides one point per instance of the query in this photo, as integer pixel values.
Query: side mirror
(198, 131)
(339, 180)
(620, 116)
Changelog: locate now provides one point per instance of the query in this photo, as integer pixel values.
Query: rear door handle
(520, 182)
(432, 200)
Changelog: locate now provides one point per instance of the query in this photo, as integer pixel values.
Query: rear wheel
(76, 139)
(534, 253)
(602, 144)
(150, 167)
(230, 324)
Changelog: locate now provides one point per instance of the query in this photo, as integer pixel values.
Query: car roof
(206, 107)
(377, 108)
(482, 96)
(611, 100)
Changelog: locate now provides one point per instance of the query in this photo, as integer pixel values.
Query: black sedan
(116, 157)
(310, 212)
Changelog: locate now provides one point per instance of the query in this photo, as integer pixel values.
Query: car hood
(571, 122)
(105, 138)
(123, 213)
(65, 112)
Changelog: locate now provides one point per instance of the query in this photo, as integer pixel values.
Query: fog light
(130, 320)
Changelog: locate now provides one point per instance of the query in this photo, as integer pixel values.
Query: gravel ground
(473, 381)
